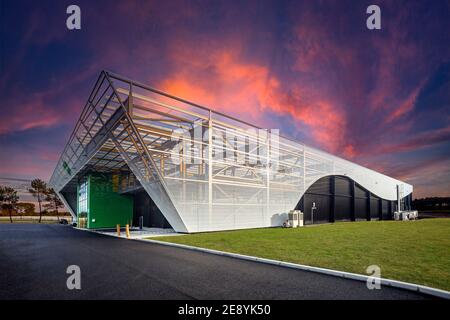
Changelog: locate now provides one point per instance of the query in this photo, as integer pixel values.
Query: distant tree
(9, 199)
(432, 203)
(48, 207)
(38, 190)
(26, 208)
(54, 202)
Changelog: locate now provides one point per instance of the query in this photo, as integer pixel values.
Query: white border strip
(348, 275)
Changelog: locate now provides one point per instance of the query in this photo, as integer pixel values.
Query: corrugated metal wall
(338, 198)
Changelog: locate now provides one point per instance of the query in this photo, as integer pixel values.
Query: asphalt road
(34, 259)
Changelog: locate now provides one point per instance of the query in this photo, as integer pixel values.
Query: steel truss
(203, 169)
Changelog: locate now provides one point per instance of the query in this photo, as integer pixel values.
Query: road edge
(336, 273)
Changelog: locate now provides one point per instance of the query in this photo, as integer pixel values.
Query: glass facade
(83, 197)
(204, 170)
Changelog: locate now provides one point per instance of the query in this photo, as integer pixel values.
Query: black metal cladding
(339, 198)
(342, 198)
(145, 207)
(342, 210)
(408, 202)
(320, 193)
(323, 205)
(360, 192)
(71, 199)
(385, 211)
(360, 209)
(374, 207)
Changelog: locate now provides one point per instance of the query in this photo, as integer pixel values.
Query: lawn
(412, 251)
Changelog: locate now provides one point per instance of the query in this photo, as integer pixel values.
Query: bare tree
(9, 199)
(54, 202)
(38, 190)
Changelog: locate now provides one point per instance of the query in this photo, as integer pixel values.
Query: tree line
(432, 203)
(9, 199)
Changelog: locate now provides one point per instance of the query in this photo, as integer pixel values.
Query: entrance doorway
(147, 213)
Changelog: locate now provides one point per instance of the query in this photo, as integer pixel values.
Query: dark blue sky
(310, 68)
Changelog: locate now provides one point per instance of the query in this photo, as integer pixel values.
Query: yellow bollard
(118, 230)
(128, 231)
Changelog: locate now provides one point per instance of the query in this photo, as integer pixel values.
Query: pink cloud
(31, 114)
(419, 141)
(47, 108)
(406, 106)
(250, 90)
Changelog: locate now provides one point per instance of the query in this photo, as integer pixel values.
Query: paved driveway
(34, 259)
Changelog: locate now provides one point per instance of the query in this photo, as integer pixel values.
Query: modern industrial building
(140, 156)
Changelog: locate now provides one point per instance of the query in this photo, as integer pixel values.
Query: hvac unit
(406, 215)
(411, 215)
(295, 219)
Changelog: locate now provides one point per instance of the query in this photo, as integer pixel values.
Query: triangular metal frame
(143, 167)
(195, 190)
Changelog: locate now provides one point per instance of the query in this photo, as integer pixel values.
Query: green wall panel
(107, 208)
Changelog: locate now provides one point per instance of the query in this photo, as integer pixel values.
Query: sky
(380, 98)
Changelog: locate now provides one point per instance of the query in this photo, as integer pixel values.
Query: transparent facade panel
(204, 170)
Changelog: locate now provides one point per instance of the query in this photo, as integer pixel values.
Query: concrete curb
(347, 275)
(342, 274)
